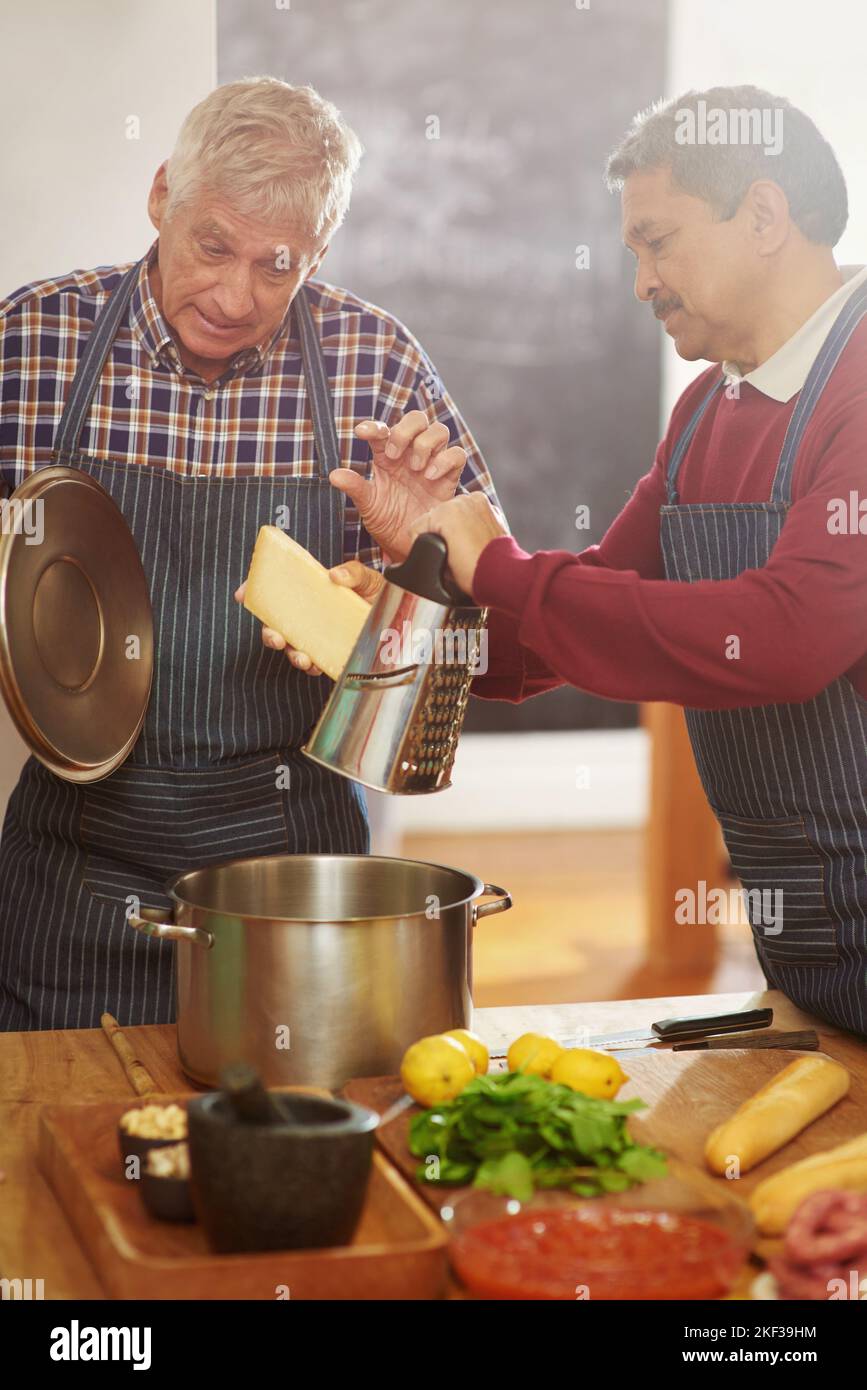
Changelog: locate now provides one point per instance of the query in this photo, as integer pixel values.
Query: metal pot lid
(76, 627)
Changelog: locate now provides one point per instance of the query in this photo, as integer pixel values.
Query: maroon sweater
(607, 621)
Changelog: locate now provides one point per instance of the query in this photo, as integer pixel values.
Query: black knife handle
(706, 1025)
(805, 1041)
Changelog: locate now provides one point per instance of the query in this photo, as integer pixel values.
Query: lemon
(534, 1053)
(473, 1046)
(435, 1070)
(595, 1074)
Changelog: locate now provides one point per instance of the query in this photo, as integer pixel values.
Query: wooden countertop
(73, 1065)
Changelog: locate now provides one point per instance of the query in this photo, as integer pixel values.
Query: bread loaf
(774, 1201)
(789, 1102)
(288, 590)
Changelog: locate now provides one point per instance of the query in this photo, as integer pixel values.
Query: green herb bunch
(515, 1132)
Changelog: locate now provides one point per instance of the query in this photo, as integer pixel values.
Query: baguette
(790, 1101)
(775, 1201)
(288, 590)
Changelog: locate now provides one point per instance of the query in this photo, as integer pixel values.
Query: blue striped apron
(217, 771)
(788, 783)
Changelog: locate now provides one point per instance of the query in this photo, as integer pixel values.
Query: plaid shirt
(255, 419)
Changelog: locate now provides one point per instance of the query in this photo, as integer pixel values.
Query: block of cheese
(289, 590)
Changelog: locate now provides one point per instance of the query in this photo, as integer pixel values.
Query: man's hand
(466, 523)
(412, 471)
(352, 574)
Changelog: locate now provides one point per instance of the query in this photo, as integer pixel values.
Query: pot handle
(502, 904)
(197, 936)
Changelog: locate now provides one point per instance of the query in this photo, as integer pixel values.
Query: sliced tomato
(595, 1253)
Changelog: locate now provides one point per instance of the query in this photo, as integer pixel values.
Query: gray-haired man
(248, 377)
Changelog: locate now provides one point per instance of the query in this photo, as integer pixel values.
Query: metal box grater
(394, 717)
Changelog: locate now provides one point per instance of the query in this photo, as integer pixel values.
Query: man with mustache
(734, 582)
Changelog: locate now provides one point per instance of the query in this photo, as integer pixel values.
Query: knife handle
(702, 1026)
(806, 1041)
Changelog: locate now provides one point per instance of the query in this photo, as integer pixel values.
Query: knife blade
(670, 1030)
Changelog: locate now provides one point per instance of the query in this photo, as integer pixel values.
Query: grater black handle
(424, 572)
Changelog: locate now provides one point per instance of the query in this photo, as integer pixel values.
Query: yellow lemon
(534, 1053)
(435, 1070)
(595, 1074)
(473, 1046)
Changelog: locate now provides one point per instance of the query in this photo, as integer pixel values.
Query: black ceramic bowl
(168, 1199)
(291, 1186)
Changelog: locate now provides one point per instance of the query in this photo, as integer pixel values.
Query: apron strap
(844, 326)
(90, 366)
(316, 377)
(98, 346)
(683, 442)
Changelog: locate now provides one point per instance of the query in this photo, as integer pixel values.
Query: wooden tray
(688, 1094)
(399, 1249)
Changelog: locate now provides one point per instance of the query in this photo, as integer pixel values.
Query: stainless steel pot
(319, 967)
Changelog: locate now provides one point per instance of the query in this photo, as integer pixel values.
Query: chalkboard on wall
(486, 124)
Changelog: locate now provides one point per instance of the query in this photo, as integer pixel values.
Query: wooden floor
(576, 930)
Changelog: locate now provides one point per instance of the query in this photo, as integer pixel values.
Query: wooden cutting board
(688, 1093)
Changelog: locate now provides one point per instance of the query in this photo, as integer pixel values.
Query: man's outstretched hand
(412, 471)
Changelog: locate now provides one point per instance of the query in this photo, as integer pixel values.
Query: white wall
(74, 185)
(811, 53)
(585, 779)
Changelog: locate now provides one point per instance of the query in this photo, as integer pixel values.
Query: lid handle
(424, 572)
